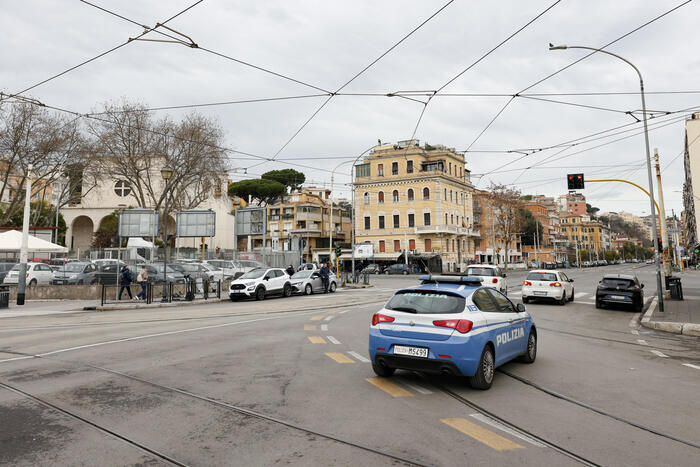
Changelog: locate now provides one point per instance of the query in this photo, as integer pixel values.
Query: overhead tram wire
(316, 112)
(105, 52)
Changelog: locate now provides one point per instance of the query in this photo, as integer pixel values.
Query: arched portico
(82, 229)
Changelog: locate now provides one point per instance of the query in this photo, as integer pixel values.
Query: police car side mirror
(571, 280)
(520, 307)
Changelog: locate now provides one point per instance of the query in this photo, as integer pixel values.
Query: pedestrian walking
(290, 270)
(142, 279)
(125, 282)
(324, 272)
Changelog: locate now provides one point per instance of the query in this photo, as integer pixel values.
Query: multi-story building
(587, 233)
(691, 192)
(415, 198)
(490, 246)
(576, 204)
(545, 211)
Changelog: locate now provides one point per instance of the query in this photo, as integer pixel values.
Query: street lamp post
(657, 253)
(166, 172)
(330, 228)
(23, 252)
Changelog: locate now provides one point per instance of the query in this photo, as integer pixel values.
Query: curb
(687, 329)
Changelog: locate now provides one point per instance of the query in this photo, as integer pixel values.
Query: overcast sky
(325, 43)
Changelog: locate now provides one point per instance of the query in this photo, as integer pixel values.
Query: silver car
(309, 282)
(75, 273)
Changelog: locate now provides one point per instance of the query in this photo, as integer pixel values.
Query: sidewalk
(679, 316)
(45, 307)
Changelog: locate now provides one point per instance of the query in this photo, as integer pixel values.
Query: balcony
(446, 229)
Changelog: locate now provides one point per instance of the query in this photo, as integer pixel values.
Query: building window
(380, 197)
(409, 167)
(122, 188)
(381, 222)
(394, 168)
(447, 247)
(380, 170)
(453, 245)
(366, 197)
(426, 193)
(395, 196)
(445, 218)
(397, 245)
(450, 168)
(445, 197)
(452, 219)
(428, 245)
(367, 223)
(450, 196)
(396, 221)
(461, 174)
(382, 247)
(362, 170)
(426, 218)
(410, 194)
(411, 220)
(411, 244)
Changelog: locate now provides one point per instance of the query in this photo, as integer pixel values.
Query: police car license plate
(410, 351)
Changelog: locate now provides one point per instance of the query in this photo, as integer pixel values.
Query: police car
(451, 325)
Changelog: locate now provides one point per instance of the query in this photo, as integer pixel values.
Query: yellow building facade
(588, 234)
(415, 198)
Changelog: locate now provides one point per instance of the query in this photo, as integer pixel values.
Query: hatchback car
(549, 285)
(398, 268)
(37, 273)
(451, 325)
(4, 269)
(75, 273)
(372, 268)
(260, 283)
(620, 289)
(491, 276)
(309, 282)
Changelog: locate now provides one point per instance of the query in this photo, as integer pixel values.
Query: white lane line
(635, 332)
(358, 356)
(690, 365)
(658, 354)
(333, 339)
(496, 424)
(343, 312)
(642, 342)
(581, 294)
(324, 327)
(587, 303)
(633, 321)
(417, 388)
(328, 318)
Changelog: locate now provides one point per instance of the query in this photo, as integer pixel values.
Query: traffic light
(660, 243)
(575, 181)
(337, 251)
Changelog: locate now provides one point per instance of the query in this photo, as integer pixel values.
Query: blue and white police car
(451, 325)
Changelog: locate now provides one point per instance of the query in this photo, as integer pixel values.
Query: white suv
(260, 283)
(37, 273)
(491, 276)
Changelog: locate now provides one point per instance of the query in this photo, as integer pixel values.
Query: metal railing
(187, 291)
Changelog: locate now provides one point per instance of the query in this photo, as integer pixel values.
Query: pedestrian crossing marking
(481, 434)
(388, 387)
(317, 340)
(340, 357)
(309, 327)
(316, 318)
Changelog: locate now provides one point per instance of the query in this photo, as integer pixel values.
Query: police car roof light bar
(458, 279)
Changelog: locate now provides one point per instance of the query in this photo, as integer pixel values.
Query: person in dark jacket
(125, 282)
(290, 270)
(324, 272)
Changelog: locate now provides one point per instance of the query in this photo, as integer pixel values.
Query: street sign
(196, 223)
(251, 221)
(364, 250)
(138, 223)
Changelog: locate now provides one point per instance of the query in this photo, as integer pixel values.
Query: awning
(377, 256)
(12, 241)
(138, 242)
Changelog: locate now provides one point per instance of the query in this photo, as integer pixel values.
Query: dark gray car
(75, 273)
(4, 269)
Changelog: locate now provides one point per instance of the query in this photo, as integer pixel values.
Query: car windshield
(254, 274)
(302, 274)
(618, 283)
(16, 267)
(541, 276)
(426, 302)
(72, 267)
(481, 272)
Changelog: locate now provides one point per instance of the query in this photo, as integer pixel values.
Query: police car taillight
(379, 318)
(461, 325)
(555, 284)
(527, 283)
(494, 280)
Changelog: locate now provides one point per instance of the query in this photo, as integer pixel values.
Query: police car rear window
(426, 302)
(541, 276)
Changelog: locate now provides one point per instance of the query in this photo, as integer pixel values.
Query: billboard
(138, 223)
(251, 221)
(196, 223)
(364, 250)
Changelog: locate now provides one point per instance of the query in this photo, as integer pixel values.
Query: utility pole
(22, 279)
(662, 216)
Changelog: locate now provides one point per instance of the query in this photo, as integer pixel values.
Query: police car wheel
(260, 294)
(484, 372)
(308, 290)
(382, 370)
(331, 287)
(531, 351)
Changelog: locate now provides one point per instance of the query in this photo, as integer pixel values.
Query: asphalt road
(287, 382)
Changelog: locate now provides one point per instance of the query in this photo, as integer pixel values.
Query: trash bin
(675, 287)
(4, 296)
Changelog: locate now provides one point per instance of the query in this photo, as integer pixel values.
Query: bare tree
(505, 204)
(32, 135)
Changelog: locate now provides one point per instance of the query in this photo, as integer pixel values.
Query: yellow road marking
(340, 357)
(388, 387)
(479, 433)
(309, 327)
(332, 312)
(317, 340)
(316, 318)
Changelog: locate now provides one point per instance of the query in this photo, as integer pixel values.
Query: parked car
(194, 270)
(260, 283)
(398, 268)
(491, 276)
(108, 271)
(372, 268)
(4, 269)
(214, 273)
(548, 284)
(37, 273)
(620, 289)
(232, 269)
(75, 274)
(309, 282)
(157, 273)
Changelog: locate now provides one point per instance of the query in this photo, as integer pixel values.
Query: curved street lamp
(166, 172)
(657, 254)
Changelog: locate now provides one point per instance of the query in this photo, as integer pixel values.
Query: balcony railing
(448, 229)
